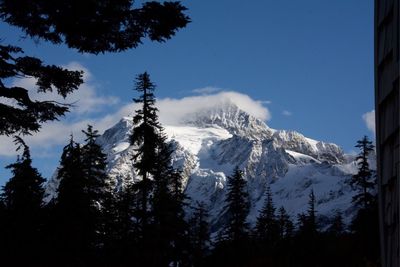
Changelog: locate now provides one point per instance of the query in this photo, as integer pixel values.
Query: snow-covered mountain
(211, 142)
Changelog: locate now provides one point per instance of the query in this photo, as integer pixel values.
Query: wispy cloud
(206, 90)
(287, 113)
(369, 119)
(57, 133)
(84, 100)
(87, 103)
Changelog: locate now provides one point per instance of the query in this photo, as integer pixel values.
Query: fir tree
(286, 227)
(72, 208)
(199, 233)
(162, 212)
(237, 205)
(159, 197)
(363, 181)
(179, 227)
(365, 225)
(94, 179)
(267, 224)
(232, 245)
(146, 137)
(94, 163)
(308, 222)
(24, 191)
(22, 206)
(308, 234)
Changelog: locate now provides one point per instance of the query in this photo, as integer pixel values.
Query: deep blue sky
(313, 58)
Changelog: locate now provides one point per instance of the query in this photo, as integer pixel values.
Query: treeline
(91, 221)
(278, 241)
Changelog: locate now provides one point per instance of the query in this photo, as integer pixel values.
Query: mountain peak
(229, 116)
(222, 133)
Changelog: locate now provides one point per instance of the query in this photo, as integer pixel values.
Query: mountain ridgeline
(208, 145)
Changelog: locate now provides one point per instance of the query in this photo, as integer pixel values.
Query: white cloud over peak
(172, 112)
(369, 119)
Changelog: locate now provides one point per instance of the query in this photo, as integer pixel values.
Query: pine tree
(146, 137)
(307, 224)
(162, 209)
(285, 224)
(159, 198)
(94, 163)
(22, 206)
(136, 199)
(267, 224)
(72, 207)
(232, 244)
(179, 226)
(365, 225)
(237, 206)
(308, 234)
(199, 233)
(363, 181)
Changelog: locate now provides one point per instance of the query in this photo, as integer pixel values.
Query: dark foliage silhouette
(364, 180)
(95, 26)
(72, 208)
(267, 228)
(22, 202)
(88, 26)
(26, 115)
(199, 234)
(158, 212)
(237, 205)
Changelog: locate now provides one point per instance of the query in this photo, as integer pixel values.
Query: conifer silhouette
(22, 208)
(364, 181)
(159, 209)
(237, 205)
(267, 225)
(91, 27)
